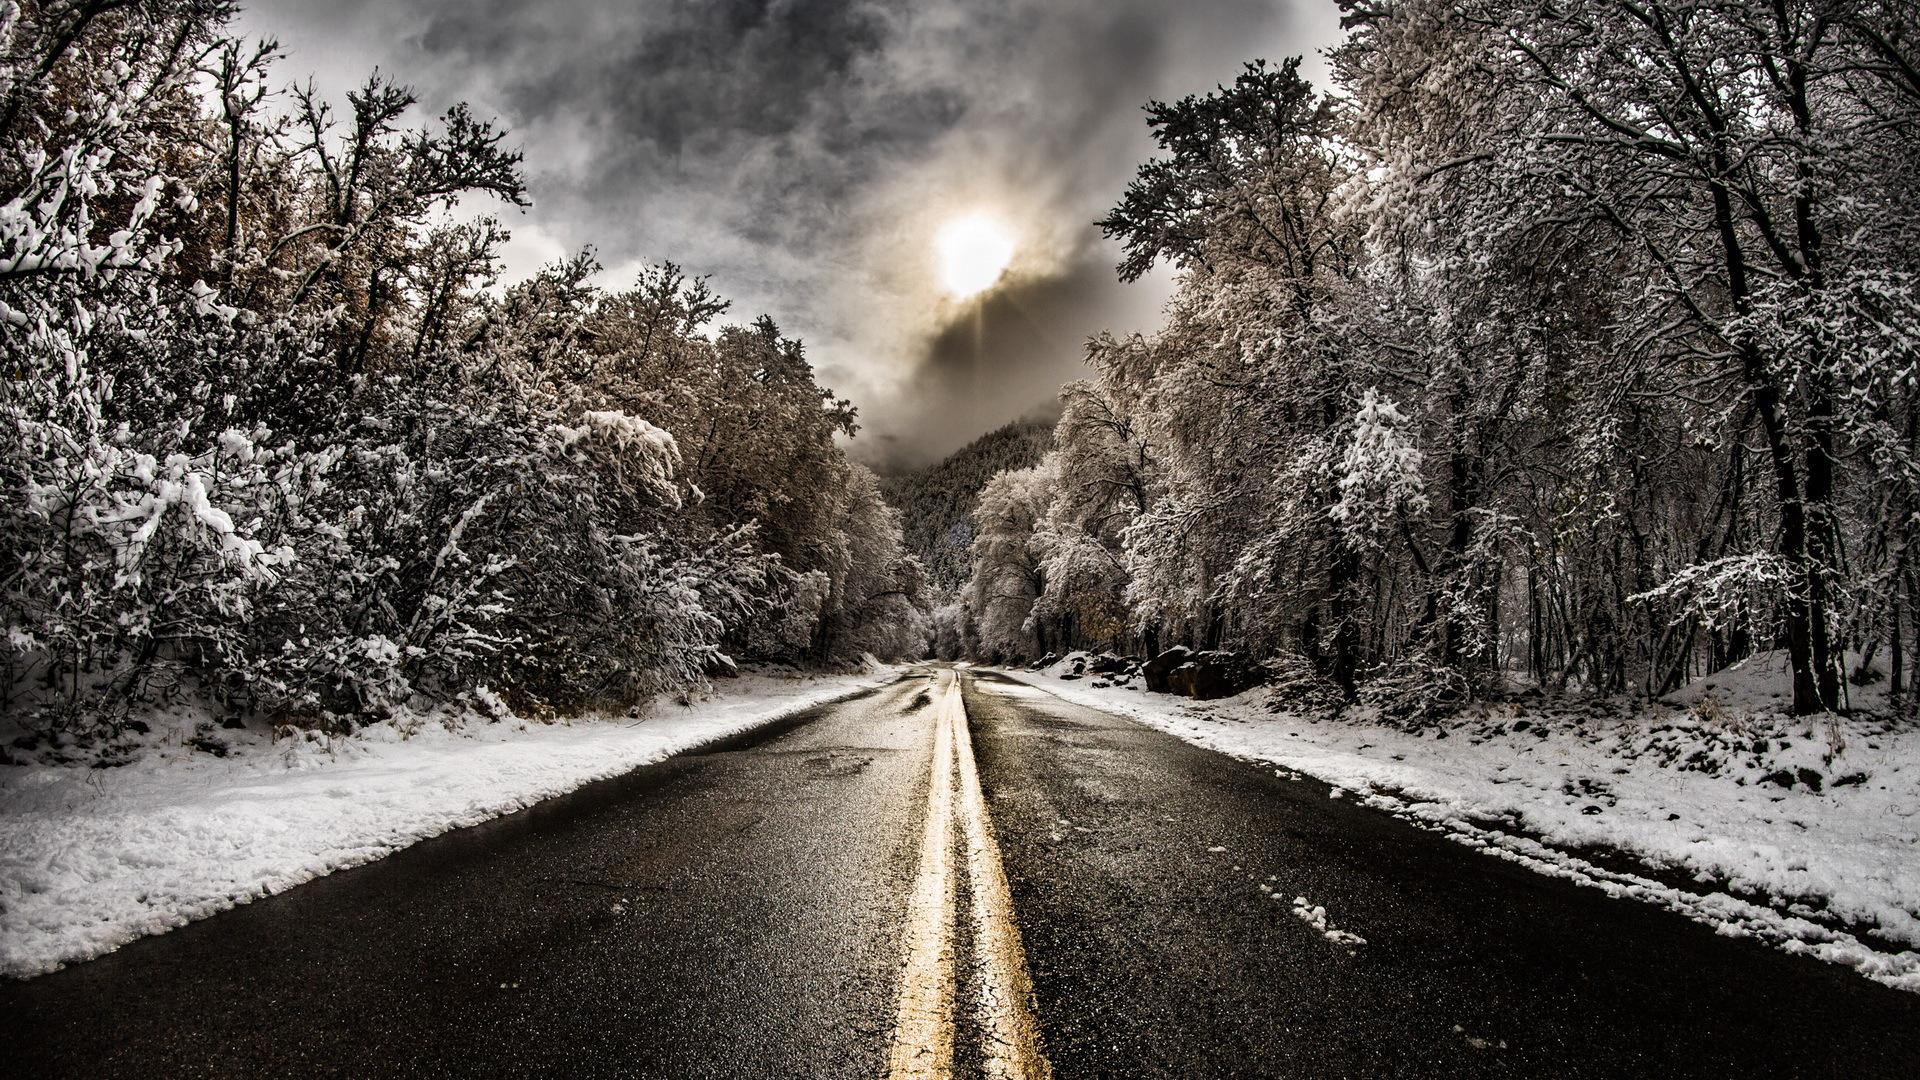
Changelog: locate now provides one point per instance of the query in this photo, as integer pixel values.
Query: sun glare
(973, 251)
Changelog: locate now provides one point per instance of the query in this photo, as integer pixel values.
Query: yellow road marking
(923, 1027)
(1004, 1009)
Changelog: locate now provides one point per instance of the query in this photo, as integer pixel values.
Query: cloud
(805, 152)
(999, 359)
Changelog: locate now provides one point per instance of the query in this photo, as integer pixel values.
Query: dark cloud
(683, 81)
(804, 152)
(998, 360)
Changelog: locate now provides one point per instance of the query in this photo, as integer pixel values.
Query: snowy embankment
(91, 859)
(1710, 797)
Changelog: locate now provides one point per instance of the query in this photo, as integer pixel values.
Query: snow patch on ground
(1804, 833)
(1315, 916)
(91, 859)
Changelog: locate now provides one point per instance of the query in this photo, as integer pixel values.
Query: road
(952, 875)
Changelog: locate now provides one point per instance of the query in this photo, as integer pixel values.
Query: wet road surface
(952, 875)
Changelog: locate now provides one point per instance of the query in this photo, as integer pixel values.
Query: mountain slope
(935, 502)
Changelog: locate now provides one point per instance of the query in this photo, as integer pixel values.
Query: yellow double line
(1003, 1008)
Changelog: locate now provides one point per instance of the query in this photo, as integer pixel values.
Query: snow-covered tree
(1567, 342)
(1007, 570)
(278, 442)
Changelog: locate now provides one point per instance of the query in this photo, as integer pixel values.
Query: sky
(807, 155)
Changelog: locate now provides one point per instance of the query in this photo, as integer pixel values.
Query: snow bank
(91, 859)
(1716, 806)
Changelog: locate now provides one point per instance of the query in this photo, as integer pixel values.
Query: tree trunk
(1805, 605)
(1344, 664)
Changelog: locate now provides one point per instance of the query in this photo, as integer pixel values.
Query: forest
(936, 503)
(1550, 346)
(1565, 346)
(278, 441)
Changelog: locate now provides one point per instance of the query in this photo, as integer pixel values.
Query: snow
(1380, 474)
(1315, 915)
(651, 450)
(94, 858)
(1707, 794)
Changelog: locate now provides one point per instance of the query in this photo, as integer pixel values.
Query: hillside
(935, 502)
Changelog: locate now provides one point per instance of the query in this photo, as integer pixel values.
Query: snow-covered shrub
(1416, 691)
(1294, 685)
(788, 631)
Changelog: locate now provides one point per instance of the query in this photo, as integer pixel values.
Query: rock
(209, 745)
(1046, 661)
(1851, 779)
(1214, 674)
(720, 666)
(1809, 777)
(1113, 664)
(1157, 669)
(1182, 680)
(1778, 776)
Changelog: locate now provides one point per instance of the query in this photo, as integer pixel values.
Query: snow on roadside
(1716, 805)
(91, 859)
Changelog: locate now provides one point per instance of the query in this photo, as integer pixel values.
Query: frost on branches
(1563, 348)
(1380, 475)
(273, 447)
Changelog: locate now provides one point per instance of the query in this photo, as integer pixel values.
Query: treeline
(936, 503)
(1560, 344)
(275, 437)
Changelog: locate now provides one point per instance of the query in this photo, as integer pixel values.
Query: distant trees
(1574, 343)
(936, 503)
(1101, 484)
(1008, 576)
(276, 441)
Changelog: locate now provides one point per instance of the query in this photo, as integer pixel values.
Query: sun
(973, 252)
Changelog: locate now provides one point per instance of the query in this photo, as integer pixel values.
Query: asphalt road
(748, 911)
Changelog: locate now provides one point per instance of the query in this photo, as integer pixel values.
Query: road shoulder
(93, 858)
